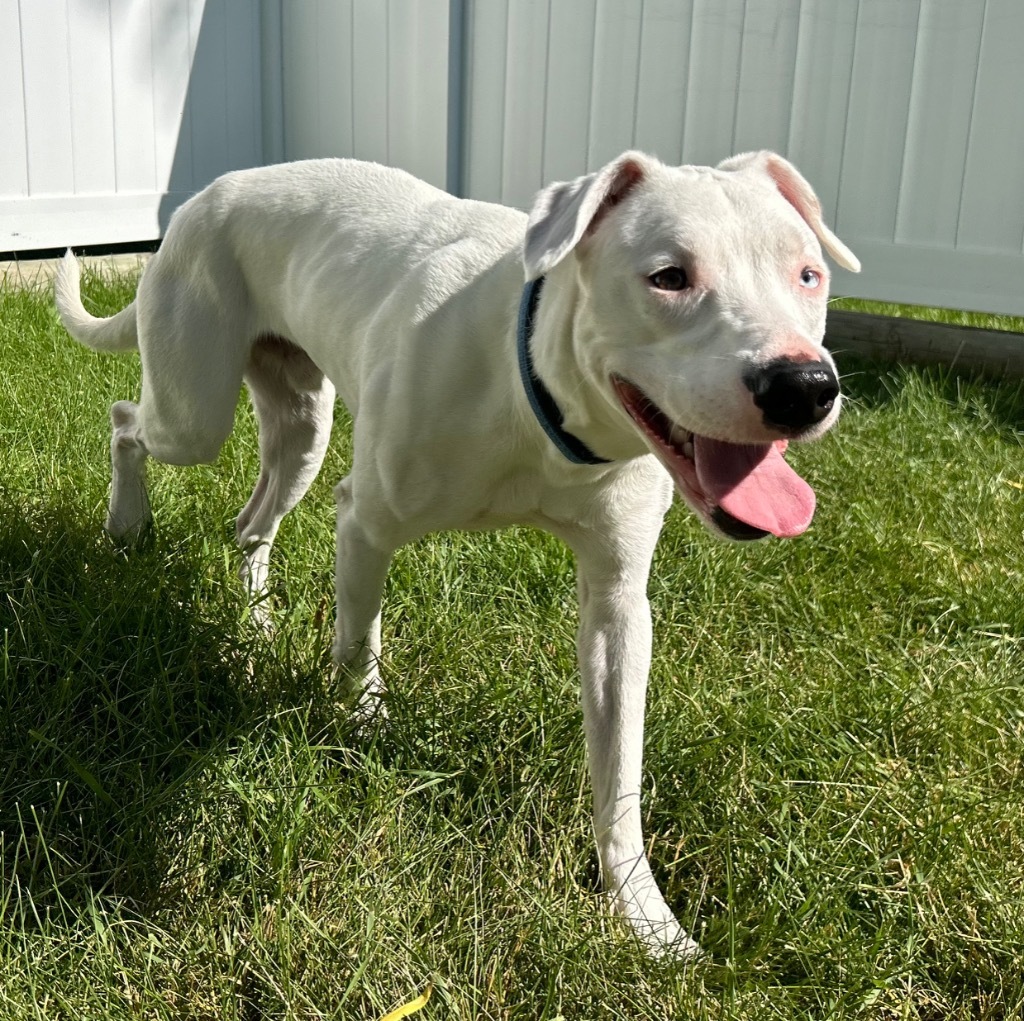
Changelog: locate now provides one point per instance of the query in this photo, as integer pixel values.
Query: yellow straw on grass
(409, 1008)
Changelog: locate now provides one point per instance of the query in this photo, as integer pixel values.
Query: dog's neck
(544, 406)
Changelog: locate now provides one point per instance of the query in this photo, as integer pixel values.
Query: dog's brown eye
(672, 278)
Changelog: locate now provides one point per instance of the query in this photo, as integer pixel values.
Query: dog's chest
(576, 497)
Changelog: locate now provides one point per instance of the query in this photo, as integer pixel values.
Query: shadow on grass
(875, 384)
(124, 675)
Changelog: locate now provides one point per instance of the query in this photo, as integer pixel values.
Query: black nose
(794, 395)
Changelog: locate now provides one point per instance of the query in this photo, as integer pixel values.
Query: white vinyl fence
(906, 115)
(112, 112)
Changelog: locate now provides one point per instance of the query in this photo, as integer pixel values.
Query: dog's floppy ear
(564, 213)
(799, 194)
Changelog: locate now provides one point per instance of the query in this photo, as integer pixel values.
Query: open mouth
(746, 490)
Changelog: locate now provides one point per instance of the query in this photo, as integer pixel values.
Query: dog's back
(319, 248)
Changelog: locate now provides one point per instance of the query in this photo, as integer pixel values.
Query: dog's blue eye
(810, 277)
(672, 278)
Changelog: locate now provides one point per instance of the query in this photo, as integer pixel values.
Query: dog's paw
(127, 536)
(669, 942)
(369, 707)
(366, 720)
(259, 612)
(640, 903)
(663, 937)
(129, 518)
(363, 696)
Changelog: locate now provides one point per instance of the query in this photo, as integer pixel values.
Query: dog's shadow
(994, 402)
(124, 679)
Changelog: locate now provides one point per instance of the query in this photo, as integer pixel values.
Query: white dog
(677, 339)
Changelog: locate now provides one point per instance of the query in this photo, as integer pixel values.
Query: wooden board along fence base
(994, 352)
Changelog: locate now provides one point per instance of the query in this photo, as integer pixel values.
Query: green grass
(951, 317)
(190, 828)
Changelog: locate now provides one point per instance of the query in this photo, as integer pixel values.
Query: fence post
(272, 80)
(458, 40)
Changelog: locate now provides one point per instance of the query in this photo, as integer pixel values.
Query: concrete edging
(19, 273)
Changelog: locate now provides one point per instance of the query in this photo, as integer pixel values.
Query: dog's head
(702, 297)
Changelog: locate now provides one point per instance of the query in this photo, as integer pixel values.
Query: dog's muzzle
(794, 395)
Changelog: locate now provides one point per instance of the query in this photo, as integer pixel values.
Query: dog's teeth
(682, 440)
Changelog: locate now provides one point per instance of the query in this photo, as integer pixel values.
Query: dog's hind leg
(294, 404)
(128, 513)
(361, 567)
(192, 365)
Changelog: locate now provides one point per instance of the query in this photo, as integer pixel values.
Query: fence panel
(899, 113)
(903, 115)
(369, 79)
(112, 112)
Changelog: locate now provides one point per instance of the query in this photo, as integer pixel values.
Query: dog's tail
(118, 333)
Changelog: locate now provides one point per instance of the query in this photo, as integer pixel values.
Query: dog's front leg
(360, 570)
(614, 644)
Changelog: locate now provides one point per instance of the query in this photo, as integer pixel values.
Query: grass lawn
(189, 827)
(951, 317)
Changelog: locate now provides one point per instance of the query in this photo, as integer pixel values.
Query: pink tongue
(754, 483)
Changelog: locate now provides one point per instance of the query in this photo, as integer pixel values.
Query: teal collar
(544, 407)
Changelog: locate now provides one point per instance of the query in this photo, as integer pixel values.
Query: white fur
(312, 277)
